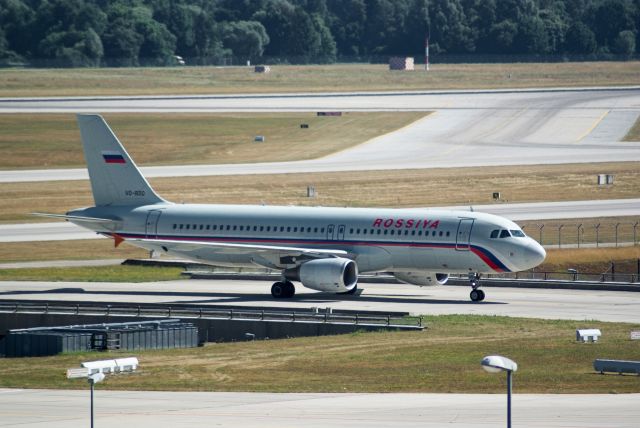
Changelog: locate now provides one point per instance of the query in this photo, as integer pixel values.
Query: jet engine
(422, 278)
(338, 275)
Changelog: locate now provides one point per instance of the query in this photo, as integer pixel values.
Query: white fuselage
(398, 240)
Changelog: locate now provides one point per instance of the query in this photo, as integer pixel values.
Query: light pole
(94, 372)
(497, 364)
(93, 379)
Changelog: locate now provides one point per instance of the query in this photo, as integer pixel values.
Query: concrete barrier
(616, 366)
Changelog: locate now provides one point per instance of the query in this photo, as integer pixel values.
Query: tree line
(152, 32)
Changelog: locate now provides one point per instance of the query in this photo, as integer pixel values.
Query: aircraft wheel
(476, 295)
(290, 289)
(278, 290)
(481, 295)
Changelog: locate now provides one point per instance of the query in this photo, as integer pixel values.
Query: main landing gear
(283, 289)
(476, 294)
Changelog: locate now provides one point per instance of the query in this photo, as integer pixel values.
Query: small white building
(401, 63)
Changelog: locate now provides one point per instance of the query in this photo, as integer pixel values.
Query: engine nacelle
(422, 278)
(338, 275)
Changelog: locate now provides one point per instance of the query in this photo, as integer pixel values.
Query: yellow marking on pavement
(596, 123)
(428, 115)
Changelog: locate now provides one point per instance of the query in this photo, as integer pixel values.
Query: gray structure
(41, 341)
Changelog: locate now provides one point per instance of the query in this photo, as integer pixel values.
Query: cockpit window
(504, 233)
(517, 233)
(495, 233)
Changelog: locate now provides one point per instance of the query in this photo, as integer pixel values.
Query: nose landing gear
(476, 294)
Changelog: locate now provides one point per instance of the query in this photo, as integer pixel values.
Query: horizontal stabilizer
(76, 218)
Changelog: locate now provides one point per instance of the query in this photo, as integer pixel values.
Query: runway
(615, 306)
(58, 231)
(467, 129)
(68, 409)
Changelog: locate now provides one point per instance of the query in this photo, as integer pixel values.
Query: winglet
(117, 240)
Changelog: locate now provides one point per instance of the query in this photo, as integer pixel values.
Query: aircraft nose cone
(534, 254)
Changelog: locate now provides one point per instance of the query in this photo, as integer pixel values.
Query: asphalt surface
(472, 128)
(616, 306)
(68, 409)
(57, 231)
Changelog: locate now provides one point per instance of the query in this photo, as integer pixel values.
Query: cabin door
(463, 237)
(151, 227)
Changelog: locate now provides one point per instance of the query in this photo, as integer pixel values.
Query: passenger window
(393, 232)
(181, 226)
(315, 230)
(440, 234)
(188, 226)
(386, 231)
(288, 229)
(268, 228)
(380, 231)
(351, 231)
(495, 233)
(322, 230)
(420, 233)
(448, 233)
(504, 233)
(413, 233)
(175, 225)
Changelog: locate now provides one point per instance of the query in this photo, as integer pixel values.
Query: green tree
(246, 39)
(72, 48)
(625, 43)
(580, 39)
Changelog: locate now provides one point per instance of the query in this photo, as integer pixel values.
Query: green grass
(634, 132)
(93, 274)
(444, 358)
(53, 140)
(314, 78)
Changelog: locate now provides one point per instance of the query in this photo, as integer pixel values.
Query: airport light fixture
(94, 372)
(497, 364)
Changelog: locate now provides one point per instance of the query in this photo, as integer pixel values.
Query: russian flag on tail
(113, 157)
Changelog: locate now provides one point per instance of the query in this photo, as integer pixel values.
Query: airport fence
(591, 233)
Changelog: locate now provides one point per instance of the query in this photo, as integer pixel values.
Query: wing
(271, 256)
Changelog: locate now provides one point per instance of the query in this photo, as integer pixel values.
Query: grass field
(317, 78)
(393, 188)
(85, 249)
(634, 132)
(53, 140)
(115, 273)
(443, 358)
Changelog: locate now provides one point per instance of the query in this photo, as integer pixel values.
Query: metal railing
(326, 316)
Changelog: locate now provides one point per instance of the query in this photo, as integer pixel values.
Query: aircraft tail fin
(115, 178)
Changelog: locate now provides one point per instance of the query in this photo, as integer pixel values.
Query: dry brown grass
(393, 188)
(443, 358)
(592, 260)
(89, 249)
(53, 140)
(315, 78)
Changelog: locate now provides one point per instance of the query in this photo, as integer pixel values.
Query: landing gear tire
(477, 295)
(282, 290)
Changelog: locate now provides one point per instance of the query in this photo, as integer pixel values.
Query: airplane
(323, 248)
